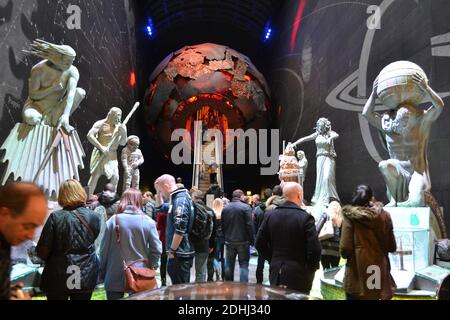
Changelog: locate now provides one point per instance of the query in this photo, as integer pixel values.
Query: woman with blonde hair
(219, 245)
(130, 236)
(67, 246)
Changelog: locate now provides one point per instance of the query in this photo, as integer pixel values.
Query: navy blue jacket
(180, 218)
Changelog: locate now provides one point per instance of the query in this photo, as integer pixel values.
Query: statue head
(60, 55)
(114, 115)
(300, 155)
(323, 125)
(133, 142)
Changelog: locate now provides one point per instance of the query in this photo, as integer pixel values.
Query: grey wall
(104, 56)
(328, 50)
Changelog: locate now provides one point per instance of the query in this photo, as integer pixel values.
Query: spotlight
(267, 32)
(149, 29)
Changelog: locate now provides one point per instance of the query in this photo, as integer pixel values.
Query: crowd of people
(174, 230)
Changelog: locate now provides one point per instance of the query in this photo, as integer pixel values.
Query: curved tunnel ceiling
(249, 16)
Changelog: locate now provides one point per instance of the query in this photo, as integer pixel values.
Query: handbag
(137, 279)
(327, 231)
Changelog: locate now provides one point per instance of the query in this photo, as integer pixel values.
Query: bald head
(293, 192)
(165, 184)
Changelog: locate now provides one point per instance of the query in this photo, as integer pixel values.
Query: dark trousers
(112, 295)
(219, 257)
(260, 269)
(179, 269)
(349, 296)
(85, 295)
(329, 262)
(242, 251)
(210, 266)
(163, 268)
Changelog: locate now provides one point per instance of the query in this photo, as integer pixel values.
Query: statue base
(25, 149)
(412, 267)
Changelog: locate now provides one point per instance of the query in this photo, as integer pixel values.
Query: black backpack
(203, 221)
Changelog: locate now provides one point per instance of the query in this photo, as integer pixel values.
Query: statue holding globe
(402, 86)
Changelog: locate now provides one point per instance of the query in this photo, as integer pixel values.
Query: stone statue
(45, 148)
(131, 158)
(303, 164)
(53, 92)
(326, 164)
(402, 86)
(289, 167)
(106, 135)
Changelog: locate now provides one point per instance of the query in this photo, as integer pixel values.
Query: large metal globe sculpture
(205, 79)
(396, 85)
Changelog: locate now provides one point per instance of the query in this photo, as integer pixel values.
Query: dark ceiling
(250, 16)
(238, 24)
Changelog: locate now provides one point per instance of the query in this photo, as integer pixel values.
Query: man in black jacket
(237, 228)
(23, 208)
(288, 237)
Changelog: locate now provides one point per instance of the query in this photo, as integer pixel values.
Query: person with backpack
(180, 219)
(237, 228)
(201, 234)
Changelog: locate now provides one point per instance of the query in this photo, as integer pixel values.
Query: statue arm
(305, 139)
(123, 134)
(124, 158)
(368, 112)
(92, 135)
(334, 135)
(438, 105)
(141, 158)
(71, 89)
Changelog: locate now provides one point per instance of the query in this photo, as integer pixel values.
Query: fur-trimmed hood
(369, 216)
(274, 201)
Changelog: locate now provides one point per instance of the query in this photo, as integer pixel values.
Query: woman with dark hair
(130, 235)
(67, 246)
(366, 239)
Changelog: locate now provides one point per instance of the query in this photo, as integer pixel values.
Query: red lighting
(298, 19)
(132, 79)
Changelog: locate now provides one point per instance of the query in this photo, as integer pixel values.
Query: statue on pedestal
(303, 164)
(131, 158)
(106, 135)
(45, 148)
(326, 164)
(402, 86)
